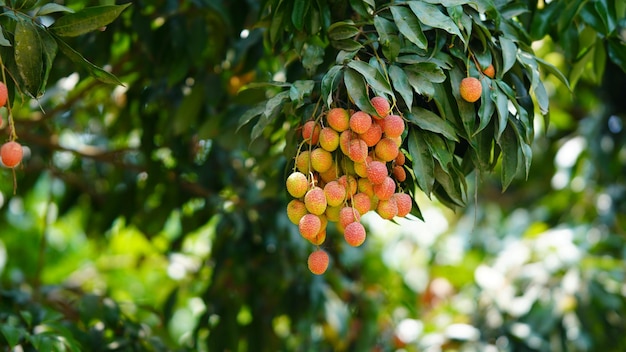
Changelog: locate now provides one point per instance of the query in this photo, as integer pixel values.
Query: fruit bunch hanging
(349, 163)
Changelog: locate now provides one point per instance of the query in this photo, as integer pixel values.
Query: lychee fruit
(387, 149)
(329, 139)
(357, 150)
(318, 262)
(393, 126)
(344, 140)
(296, 210)
(332, 213)
(338, 119)
(381, 105)
(385, 189)
(321, 160)
(490, 71)
(404, 203)
(470, 89)
(4, 94)
(387, 209)
(303, 162)
(360, 122)
(354, 234)
(315, 201)
(335, 193)
(11, 154)
(311, 132)
(364, 185)
(372, 135)
(376, 172)
(350, 183)
(297, 184)
(398, 173)
(400, 159)
(361, 202)
(348, 215)
(309, 226)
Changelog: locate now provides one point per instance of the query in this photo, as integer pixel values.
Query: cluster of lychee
(349, 163)
(11, 152)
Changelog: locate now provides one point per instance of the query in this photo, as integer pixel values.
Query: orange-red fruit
(335, 193)
(387, 209)
(321, 160)
(470, 89)
(361, 168)
(11, 154)
(330, 174)
(357, 150)
(311, 132)
(400, 159)
(393, 126)
(360, 122)
(361, 202)
(4, 94)
(404, 203)
(350, 183)
(303, 162)
(297, 184)
(386, 189)
(296, 210)
(399, 173)
(376, 172)
(319, 238)
(329, 139)
(315, 201)
(344, 140)
(338, 119)
(354, 234)
(318, 262)
(372, 135)
(348, 215)
(381, 105)
(490, 71)
(364, 185)
(386, 149)
(309, 226)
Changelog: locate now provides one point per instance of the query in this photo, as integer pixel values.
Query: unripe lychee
(470, 89)
(490, 71)
(360, 122)
(354, 234)
(318, 262)
(296, 210)
(393, 126)
(387, 209)
(372, 135)
(329, 139)
(303, 162)
(387, 149)
(332, 213)
(309, 226)
(404, 203)
(311, 132)
(335, 193)
(357, 150)
(297, 184)
(321, 160)
(11, 154)
(365, 186)
(376, 172)
(338, 119)
(361, 168)
(399, 173)
(4, 94)
(385, 189)
(381, 105)
(348, 215)
(361, 202)
(315, 201)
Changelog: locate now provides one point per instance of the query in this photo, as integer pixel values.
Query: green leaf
(427, 120)
(28, 56)
(23, 5)
(250, 114)
(617, 53)
(342, 30)
(12, 334)
(502, 105)
(3, 40)
(312, 57)
(553, 70)
(401, 85)
(299, 89)
(430, 15)
(420, 84)
(330, 81)
(300, 9)
(347, 44)
(450, 184)
(509, 54)
(439, 150)
(487, 107)
(357, 90)
(448, 3)
(52, 7)
(409, 26)
(49, 46)
(422, 161)
(510, 162)
(86, 20)
(373, 77)
(93, 70)
(271, 109)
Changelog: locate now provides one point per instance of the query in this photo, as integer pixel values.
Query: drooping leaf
(299, 13)
(86, 20)
(373, 77)
(299, 89)
(509, 53)
(487, 107)
(28, 56)
(92, 69)
(23, 5)
(427, 120)
(451, 185)
(52, 7)
(357, 90)
(510, 161)
(251, 114)
(401, 85)
(409, 26)
(330, 82)
(343, 30)
(422, 162)
(430, 15)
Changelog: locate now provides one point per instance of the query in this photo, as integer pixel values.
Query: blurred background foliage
(144, 221)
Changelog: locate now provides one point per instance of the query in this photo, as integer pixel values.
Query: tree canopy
(149, 210)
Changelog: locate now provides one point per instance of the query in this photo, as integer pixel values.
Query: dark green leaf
(93, 70)
(373, 77)
(330, 81)
(86, 20)
(49, 8)
(510, 157)
(617, 53)
(28, 56)
(312, 57)
(430, 15)
(553, 70)
(509, 54)
(250, 114)
(401, 85)
(299, 13)
(487, 106)
(420, 84)
(357, 90)
(23, 5)
(300, 89)
(427, 120)
(342, 30)
(451, 185)
(409, 26)
(12, 334)
(439, 150)
(502, 105)
(422, 161)
(347, 44)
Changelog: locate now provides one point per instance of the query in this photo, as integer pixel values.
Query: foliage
(150, 215)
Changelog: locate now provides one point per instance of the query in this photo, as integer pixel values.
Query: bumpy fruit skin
(372, 135)
(400, 159)
(318, 262)
(360, 122)
(387, 149)
(335, 193)
(386, 189)
(376, 172)
(11, 154)
(470, 89)
(309, 226)
(4, 94)
(361, 202)
(296, 210)
(404, 203)
(490, 71)
(354, 234)
(399, 173)
(348, 215)
(311, 132)
(381, 105)
(321, 160)
(387, 209)
(297, 184)
(393, 126)
(357, 150)
(338, 119)
(303, 162)
(315, 201)
(329, 139)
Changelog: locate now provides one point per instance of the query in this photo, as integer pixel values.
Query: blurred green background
(145, 221)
